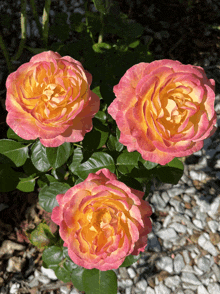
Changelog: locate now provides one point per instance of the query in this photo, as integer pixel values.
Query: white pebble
(14, 288)
(131, 272)
(49, 273)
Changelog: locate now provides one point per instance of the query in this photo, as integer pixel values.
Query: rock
(125, 283)
(214, 207)
(188, 269)
(162, 289)
(189, 286)
(213, 288)
(175, 191)
(179, 206)
(15, 264)
(172, 282)
(64, 290)
(188, 292)
(203, 264)
(167, 234)
(190, 191)
(150, 290)
(157, 201)
(179, 228)
(190, 278)
(202, 290)
(142, 285)
(207, 245)
(156, 227)
(44, 280)
(197, 175)
(186, 256)
(123, 273)
(188, 212)
(178, 263)
(167, 244)
(128, 290)
(49, 273)
(153, 243)
(131, 272)
(213, 225)
(197, 271)
(167, 220)
(216, 271)
(165, 197)
(8, 247)
(34, 282)
(74, 291)
(165, 263)
(14, 288)
(198, 223)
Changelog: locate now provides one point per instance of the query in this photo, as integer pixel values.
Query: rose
(102, 221)
(50, 98)
(164, 109)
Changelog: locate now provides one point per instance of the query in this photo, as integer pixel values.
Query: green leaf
(134, 44)
(70, 265)
(47, 195)
(52, 255)
(41, 236)
(57, 156)
(129, 260)
(96, 162)
(76, 159)
(168, 174)
(97, 137)
(26, 184)
(8, 178)
(39, 157)
(99, 282)
(148, 164)
(15, 151)
(96, 90)
(101, 47)
(103, 6)
(29, 168)
(176, 163)
(77, 278)
(101, 115)
(63, 274)
(113, 144)
(45, 180)
(127, 161)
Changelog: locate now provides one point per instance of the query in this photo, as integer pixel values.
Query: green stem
(6, 55)
(87, 23)
(23, 30)
(36, 17)
(100, 39)
(45, 22)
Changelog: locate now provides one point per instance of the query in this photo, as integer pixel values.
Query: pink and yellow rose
(50, 98)
(164, 109)
(102, 221)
